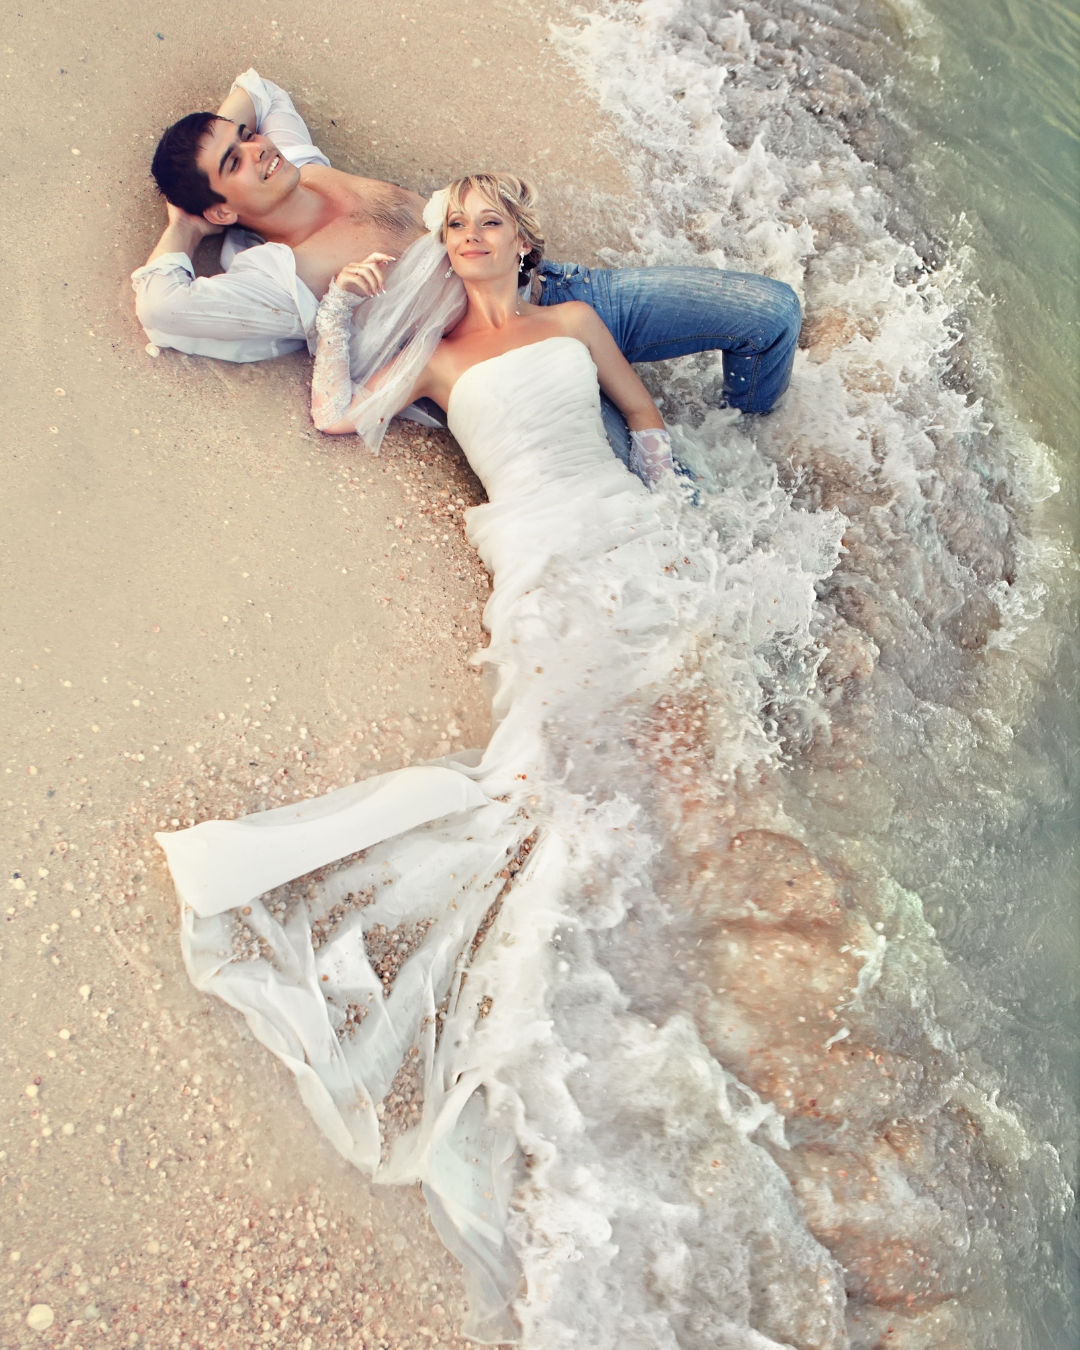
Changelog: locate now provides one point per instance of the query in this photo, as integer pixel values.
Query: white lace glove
(331, 380)
(650, 454)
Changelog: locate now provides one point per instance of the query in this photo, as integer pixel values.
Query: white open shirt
(258, 307)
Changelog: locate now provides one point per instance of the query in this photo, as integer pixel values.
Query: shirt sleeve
(259, 308)
(276, 117)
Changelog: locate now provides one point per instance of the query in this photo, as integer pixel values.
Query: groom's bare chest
(362, 216)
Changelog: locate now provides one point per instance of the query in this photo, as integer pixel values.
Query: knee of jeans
(786, 305)
(779, 312)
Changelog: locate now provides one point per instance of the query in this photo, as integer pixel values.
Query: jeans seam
(753, 378)
(634, 354)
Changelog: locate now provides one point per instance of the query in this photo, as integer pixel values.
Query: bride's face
(482, 241)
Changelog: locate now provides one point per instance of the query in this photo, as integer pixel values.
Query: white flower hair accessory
(435, 211)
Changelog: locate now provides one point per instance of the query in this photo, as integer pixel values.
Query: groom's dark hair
(178, 176)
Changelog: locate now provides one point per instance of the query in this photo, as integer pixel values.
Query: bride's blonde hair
(512, 195)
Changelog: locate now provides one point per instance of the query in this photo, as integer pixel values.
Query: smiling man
(292, 222)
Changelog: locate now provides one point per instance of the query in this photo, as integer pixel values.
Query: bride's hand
(365, 278)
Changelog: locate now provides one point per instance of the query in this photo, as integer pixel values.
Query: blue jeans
(656, 313)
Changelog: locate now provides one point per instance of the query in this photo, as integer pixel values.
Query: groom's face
(247, 170)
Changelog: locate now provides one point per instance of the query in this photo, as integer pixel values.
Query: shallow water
(989, 94)
(912, 171)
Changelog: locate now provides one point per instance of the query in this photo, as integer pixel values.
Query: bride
(452, 984)
(492, 241)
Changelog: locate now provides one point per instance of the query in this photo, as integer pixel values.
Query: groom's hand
(183, 234)
(197, 226)
(365, 278)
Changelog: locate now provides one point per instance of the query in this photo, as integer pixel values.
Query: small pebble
(40, 1317)
(31, 1090)
(152, 349)
(64, 1034)
(84, 991)
(13, 1257)
(69, 1128)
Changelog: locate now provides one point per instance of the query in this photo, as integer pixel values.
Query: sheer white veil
(402, 327)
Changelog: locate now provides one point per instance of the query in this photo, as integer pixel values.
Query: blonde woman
(492, 240)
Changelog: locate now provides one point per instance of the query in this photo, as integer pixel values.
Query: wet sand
(210, 607)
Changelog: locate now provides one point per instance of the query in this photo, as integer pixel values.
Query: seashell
(40, 1317)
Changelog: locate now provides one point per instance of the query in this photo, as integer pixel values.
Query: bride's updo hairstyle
(511, 195)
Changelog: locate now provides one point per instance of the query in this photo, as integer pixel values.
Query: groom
(292, 222)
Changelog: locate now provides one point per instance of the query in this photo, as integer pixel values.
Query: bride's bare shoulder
(573, 317)
(567, 311)
(577, 319)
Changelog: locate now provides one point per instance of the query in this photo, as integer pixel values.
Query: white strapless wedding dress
(449, 957)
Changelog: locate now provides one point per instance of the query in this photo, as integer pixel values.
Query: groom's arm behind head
(239, 107)
(265, 107)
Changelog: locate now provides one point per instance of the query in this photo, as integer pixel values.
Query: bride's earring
(522, 256)
(448, 273)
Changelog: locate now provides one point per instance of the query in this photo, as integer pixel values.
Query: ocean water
(912, 170)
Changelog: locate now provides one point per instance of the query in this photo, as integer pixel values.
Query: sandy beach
(210, 607)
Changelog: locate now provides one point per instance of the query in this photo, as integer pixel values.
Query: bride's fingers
(365, 278)
(360, 283)
(373, 262)
(370, 280)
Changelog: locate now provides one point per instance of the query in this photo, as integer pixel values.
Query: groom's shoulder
(320, 173)
(337, 183)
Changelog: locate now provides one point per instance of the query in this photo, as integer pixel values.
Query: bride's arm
(333, 394)
(331, 380)
(650, 443)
